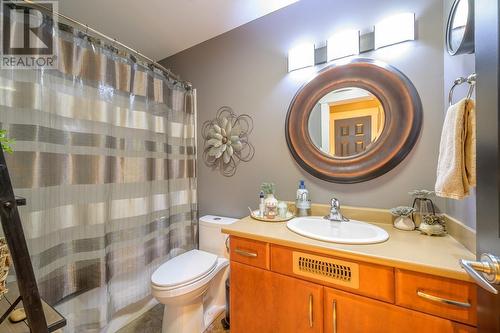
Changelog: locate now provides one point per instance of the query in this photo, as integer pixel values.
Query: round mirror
(460, 28)
(345, 122)
(353, 121)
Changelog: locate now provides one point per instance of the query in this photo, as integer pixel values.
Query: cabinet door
(263, 301)
(251, 299)
(349, 313)
(298, 305)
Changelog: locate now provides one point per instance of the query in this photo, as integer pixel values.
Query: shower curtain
(105, 154)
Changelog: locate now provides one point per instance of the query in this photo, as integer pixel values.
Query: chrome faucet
(335, 214)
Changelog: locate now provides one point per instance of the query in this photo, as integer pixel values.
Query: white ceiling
(160, 28)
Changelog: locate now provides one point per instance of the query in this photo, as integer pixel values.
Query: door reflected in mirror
(345, 122)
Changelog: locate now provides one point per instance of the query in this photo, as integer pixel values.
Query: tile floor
(150, 322)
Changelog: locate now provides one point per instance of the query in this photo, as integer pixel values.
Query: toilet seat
(186, 272)
(197, 284)
(184, 269)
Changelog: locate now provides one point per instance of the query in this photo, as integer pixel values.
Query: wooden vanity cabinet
(267, 295)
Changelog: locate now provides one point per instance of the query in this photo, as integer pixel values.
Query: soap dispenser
(302, 201)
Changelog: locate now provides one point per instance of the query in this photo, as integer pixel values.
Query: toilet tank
(211, 238)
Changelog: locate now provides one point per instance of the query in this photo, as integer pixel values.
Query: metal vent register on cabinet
(334, 271)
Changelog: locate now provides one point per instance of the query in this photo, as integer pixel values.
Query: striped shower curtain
(105, 155)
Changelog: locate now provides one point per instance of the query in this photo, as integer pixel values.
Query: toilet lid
(184, 268)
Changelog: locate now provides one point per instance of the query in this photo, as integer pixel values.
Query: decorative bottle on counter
(302, 201)
(282, 209)
(262, 206)
(271, 206)
(270, 203)
(423, 205)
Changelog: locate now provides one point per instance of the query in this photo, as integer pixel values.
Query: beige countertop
(404, 249)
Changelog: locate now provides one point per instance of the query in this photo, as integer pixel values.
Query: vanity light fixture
(343, 44)
(395, 29)
(301, 56)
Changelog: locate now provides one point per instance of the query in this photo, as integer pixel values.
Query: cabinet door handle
(334, 316)
(437, 299)
(310, 310)
(245, 253)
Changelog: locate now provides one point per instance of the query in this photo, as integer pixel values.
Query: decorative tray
(255, 216)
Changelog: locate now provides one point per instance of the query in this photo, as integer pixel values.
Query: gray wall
(455, 66)
(246, 69)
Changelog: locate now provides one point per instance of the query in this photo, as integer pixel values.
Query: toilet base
(195, 310)
(188, 318)
(212, 313)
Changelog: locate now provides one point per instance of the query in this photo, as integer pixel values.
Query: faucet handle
(335, 203)
(335, 214)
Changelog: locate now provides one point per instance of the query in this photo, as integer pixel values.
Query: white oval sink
(352, 232)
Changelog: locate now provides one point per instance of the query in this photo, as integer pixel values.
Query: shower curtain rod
(113, 40)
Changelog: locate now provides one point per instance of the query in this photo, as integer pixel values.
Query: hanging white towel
(456, 169)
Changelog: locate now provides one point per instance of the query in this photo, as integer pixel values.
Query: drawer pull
(310, 310)
(246, 253)
(437, 299)
(334, 316)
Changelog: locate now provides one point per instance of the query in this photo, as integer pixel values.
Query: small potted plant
(270, 202)
(403, 220)
(5, 142)
(433, 225)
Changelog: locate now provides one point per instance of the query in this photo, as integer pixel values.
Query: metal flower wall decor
(227, 141)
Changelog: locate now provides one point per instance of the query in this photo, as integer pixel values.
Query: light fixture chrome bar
(110, 39)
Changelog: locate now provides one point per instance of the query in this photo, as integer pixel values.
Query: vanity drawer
(348, 313)
(250, 252)
(358, 277)
(447, 298)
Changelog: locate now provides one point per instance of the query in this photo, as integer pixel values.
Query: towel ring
(470, 80)
(456, 83)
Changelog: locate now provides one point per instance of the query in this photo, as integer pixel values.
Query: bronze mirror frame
(403, 121)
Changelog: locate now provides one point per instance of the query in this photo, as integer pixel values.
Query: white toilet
(192, 285)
